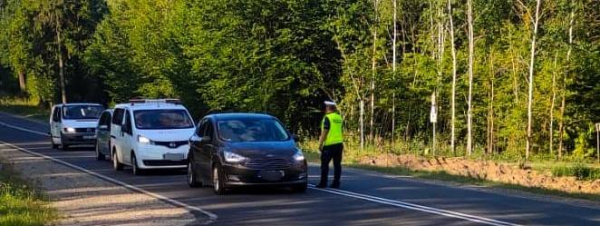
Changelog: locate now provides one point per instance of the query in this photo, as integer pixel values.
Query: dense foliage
(285, 57)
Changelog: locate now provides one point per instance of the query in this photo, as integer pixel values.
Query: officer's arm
(322, 138)
(324, 132)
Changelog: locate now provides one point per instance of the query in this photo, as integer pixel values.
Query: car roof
(150, 106)
(77, 104)
(224, 116)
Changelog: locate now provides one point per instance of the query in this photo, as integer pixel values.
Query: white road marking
(24, 129)
(212, 217)
(406, 205)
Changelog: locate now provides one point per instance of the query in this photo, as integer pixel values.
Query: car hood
(167, 135)
(80, 123)
(263, 149)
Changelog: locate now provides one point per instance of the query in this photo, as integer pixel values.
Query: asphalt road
(366, 198)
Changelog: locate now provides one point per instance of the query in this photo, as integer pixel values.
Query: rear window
(162, 119)
(82, 112)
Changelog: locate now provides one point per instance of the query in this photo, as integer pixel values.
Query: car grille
(268, 164)
(171, 144)
(85, 130)
(164, 163)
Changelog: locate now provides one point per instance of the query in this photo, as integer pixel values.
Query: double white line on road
(213, 217)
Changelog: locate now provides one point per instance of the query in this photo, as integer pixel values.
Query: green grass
(28, 108)
(20, 202)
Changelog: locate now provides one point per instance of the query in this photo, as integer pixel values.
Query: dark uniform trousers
(329, 152)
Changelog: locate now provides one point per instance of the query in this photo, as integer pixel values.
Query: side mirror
(123, 129)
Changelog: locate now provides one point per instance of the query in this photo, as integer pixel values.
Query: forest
(517, 78)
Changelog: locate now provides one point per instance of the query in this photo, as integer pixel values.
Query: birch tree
(453, 101)
(470, 71)
(531, 70)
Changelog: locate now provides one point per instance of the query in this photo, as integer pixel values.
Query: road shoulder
(83, 199)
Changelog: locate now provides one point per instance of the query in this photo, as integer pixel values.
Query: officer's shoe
(321, 185)
(335, 185)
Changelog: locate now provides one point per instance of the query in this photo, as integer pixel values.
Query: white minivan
(150, 134)
(74, 124)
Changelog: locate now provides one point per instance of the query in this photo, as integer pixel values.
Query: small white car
(74, 124)
(150, 134)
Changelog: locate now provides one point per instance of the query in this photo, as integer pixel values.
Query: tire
(116, 164)
(63, 145)
(99, 155)
(300, 188)
(218, 180)
(54, 146)
(191, 176)
(134, 166)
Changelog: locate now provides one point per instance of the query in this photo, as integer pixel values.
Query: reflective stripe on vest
(335, 135)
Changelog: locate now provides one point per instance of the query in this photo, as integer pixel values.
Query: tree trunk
(394, 79)
(22, 81)
(470, 98)
(563, 96)
(374, 72)
(490, 135)
(453, 102)
(362, 124)
(531, 67)
(61, 68)
(551, 129)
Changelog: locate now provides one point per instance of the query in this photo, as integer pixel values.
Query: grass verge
(313, 156)
(24, 107)
(20, 202)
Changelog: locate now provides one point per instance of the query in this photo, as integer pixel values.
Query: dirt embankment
(487, 170)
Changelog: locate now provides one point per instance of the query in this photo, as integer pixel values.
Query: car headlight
(233, 157)
(144, 140)
(298, 156)
(70, 130)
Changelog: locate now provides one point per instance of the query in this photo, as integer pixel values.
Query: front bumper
(153, 157)
(237, 175)
(78, 138)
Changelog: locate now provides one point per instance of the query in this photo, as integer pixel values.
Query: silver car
(103, 135)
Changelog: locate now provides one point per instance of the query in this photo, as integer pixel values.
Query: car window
(82, 111)
(209, 131)
(163, 119)
(118, 116)
(127, 123)
(107, 120)
(200, 129)
(251, 130)
(56, 114)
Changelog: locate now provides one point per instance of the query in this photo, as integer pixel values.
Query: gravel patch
(83, 199)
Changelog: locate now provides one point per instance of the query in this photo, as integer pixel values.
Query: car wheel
(134, 166)
(191, 176)
(99, 155)
(63, 145)
(54, 146)
(300, 188)
(116, 164)
(218, 180)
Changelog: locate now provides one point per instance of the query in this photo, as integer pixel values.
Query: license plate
(89, 137)
(271, 175)
(173, 156)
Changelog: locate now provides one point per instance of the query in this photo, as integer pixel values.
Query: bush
(578, 170)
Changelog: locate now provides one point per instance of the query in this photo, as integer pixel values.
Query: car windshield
(251, 130)
(82, 112)
(162, 119)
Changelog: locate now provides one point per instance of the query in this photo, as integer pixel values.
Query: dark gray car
(243, 149)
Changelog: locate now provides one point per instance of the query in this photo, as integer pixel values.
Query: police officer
(331, 144)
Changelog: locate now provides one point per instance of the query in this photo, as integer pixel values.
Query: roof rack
(157, 101)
